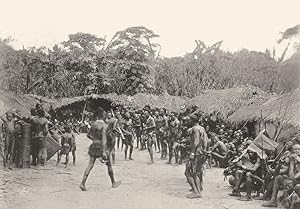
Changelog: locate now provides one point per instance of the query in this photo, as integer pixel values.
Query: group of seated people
(267, 176)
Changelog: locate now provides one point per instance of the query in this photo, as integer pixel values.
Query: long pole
(263, 160)
(84, 108)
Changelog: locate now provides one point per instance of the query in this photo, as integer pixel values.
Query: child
(68, 144)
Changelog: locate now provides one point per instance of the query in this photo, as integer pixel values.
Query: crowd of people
(33, 131)
(192, 137)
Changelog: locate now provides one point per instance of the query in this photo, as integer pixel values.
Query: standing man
(137, 124)
(174, 128)
(159, 123)
(197, 158)
(98, 149)
(39, 133)
(10, 135)
(112, 133)
(120, 125)
(164, 130)
(128, 134)
(150, 134)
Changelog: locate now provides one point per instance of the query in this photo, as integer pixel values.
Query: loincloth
(138, 131)
(111, 140)
(128, 139)
(74, 148)
(95, 150)
(196, 165)
(151, 137)
(65, 149)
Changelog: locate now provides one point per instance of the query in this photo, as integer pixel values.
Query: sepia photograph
(143, 104)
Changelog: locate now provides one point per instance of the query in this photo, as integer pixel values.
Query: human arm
(292, 167)
(46, 129)
(103, 136)
(115, 126)
(195, 141)
(90, 133)
(151, 124)
(214, 147)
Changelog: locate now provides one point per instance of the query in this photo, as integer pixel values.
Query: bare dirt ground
(143, 186)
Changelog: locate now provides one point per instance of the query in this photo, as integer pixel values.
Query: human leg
(278, 181)
(150, 143)
(170, 146)
(87, 172)
(111, 175)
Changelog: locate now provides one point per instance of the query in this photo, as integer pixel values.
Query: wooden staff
(2, 150)
(84, 108)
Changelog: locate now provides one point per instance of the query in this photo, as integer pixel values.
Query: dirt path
(143, 186)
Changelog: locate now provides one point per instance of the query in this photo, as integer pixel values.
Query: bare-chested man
(293, 172)
(218, 151)
(128, 134)
(150, 134)
(39, 133)
(174, 128)
(10, 135)
(112, 133)
(98, 149)
(137, 124)
(197, 158)
(164, 131)
(119, 127)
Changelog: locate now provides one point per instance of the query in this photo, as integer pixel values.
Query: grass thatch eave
(171, 103)
(227, 101)
(22, 103)
(283, 108)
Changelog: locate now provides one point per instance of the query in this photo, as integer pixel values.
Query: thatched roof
(22, 103)
(171, 103)
(227, 101)
(283, 108)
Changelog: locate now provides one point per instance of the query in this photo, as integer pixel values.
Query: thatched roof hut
(227, 101)
(283, 108)
(171, 103)
(22, 103)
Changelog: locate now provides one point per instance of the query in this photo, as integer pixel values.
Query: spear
(84, 108)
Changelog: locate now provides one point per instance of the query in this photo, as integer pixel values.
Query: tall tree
(134, 52)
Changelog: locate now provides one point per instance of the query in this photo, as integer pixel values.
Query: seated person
(249, 172)
(281, 167)
(218, 151)
(290, 198)
(293, 172)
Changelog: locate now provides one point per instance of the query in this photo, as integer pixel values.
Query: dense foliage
(130, 63)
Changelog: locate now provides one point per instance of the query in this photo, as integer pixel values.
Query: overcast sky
(251, 24)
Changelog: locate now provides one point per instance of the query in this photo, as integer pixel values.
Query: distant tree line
(130, 63)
